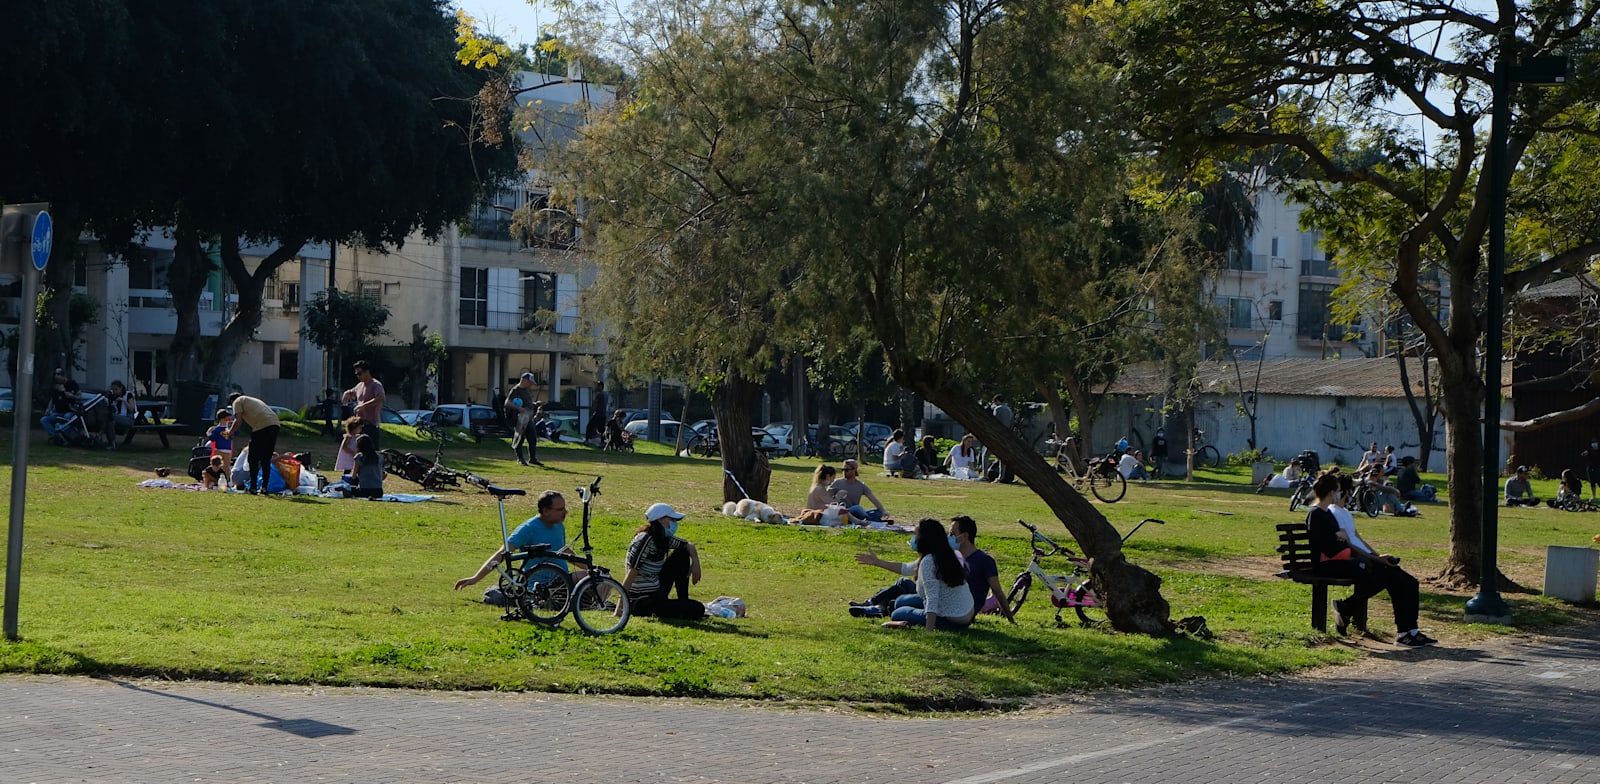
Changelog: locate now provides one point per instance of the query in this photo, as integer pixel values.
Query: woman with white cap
(659, 563)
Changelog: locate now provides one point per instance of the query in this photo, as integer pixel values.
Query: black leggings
(674, 576)
(263, 443)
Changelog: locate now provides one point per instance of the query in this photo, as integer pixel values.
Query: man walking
(522, 410)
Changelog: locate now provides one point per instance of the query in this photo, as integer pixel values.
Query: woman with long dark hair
(941, 583)
(658, 562)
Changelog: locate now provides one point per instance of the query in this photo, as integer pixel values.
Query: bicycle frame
(1075, 590)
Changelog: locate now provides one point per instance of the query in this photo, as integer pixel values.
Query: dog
(754, 511)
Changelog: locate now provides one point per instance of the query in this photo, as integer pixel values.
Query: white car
(640, 427)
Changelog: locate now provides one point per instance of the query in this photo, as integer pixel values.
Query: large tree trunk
(1132, 594)
(187, 281)
(241, 329)
(744, 466)
(1463, 407)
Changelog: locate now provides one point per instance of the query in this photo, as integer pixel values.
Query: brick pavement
(1514, 713)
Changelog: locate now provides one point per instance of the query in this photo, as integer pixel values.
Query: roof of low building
(1362, 377)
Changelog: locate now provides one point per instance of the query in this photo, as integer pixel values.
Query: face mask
(912, 543)
(953, 544)
(672, 529)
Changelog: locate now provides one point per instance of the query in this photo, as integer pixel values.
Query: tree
(344, 325)
(277, 122)
(800, 169)
(1330, 92)
(428, 352)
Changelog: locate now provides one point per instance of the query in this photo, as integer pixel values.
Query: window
(371, 289)
(289, 365)
(1315, 299)
(1318, 268)
(1275, 310)
(474, 297)
(290, 294)
(1240, 261)
(538, 294)
(269, 353)
(1241, 313)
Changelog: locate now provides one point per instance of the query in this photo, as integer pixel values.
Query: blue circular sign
(43, 238)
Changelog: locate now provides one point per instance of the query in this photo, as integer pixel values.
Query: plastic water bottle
(721, 610)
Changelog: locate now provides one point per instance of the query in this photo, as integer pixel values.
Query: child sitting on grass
(212, 475)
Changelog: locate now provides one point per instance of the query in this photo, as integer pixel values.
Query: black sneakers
(868, 611)
(1414, 639)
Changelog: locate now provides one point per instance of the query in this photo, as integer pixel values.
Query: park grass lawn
(123, 580)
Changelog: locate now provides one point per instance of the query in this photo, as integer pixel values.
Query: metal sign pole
(42, 239)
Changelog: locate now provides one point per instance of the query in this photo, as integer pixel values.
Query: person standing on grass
(368, 396)
(1591, 457)
(260, 424)
(521, 409)
(1339, 553)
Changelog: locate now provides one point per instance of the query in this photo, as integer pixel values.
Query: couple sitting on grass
(945, 588)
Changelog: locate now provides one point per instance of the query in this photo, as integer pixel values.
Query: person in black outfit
(1339, 554)
(659, 563)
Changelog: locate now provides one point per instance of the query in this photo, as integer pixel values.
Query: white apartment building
(1276, 296)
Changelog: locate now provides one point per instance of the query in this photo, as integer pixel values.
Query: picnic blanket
(171, 485)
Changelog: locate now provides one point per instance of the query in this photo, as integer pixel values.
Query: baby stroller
(86, 422)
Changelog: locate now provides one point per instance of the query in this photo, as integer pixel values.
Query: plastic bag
(726, 607)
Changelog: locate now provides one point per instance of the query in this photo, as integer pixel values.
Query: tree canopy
(946, 180)
(280, 122)
(1375, 115)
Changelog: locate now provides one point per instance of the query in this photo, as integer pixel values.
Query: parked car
(481, 421)
(838, 439)
(411, 416)
(877, 434)
(7, 402)
(669, 430)
(285, 414)
(569, 431)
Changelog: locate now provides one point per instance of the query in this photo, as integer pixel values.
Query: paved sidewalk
(1524, 712)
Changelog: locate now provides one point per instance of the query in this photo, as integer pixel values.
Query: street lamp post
(1487, 606)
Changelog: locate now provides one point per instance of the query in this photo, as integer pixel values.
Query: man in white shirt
(1131, 465)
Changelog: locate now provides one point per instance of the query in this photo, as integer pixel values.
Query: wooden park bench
(1294, 547)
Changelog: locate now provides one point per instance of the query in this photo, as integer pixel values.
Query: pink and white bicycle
(1075, 590)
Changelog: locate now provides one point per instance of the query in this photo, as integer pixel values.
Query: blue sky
(515, 20)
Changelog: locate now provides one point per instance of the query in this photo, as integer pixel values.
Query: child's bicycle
(1074, 590)
(543, 592)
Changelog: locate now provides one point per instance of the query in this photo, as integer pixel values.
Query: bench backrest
(1294, 547)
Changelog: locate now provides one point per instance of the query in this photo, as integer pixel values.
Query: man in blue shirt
(548, 527)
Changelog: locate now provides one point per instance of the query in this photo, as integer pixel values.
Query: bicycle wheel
(1300, 499)
(1371, 503)
(1019, 592)
(546, 591)
(1208, 457)
(1087, 605)
(599, 605)
(1107, 485)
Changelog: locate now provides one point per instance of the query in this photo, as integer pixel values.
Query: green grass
(125, 580)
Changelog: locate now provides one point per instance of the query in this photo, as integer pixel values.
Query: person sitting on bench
(1341, 553)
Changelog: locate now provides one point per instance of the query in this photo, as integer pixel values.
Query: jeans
(909, 609)
(874, 515)
(906, 464)
(53, 424)
(889, 597)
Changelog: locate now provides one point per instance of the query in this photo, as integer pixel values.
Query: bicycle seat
(504, 492)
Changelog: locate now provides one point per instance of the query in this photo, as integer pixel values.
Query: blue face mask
(953, 544)
(672, 528)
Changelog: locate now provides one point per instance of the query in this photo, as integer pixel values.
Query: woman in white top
(941, 584)
(961, 457)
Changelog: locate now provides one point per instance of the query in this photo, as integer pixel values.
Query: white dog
(754, 511)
